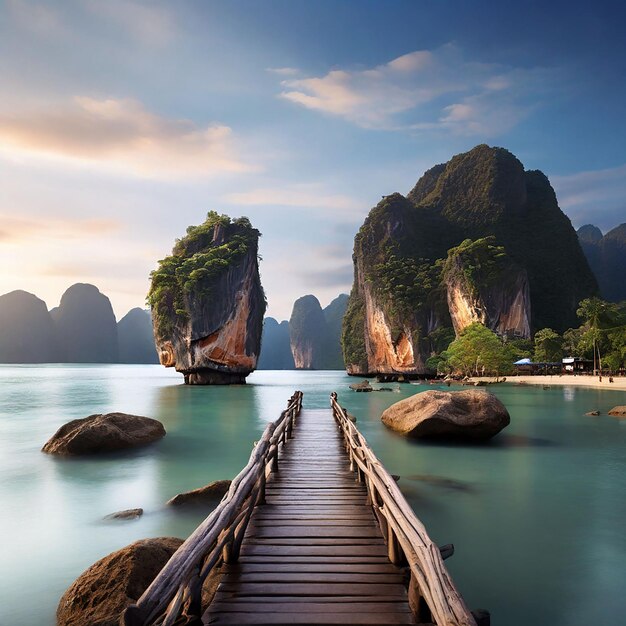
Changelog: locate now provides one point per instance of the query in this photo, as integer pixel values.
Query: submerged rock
(104, 433)
(618, 411)
(209, 494)
(102, 592)
(593, 413)
(364, 386)
(474, 415)
(127, 514)
(207, 302)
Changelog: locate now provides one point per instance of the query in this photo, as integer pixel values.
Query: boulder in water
(209, 494)
(104, 433)
(618, 411)
(364, 386)
(473, 415)
(102, 592)
(126, 514)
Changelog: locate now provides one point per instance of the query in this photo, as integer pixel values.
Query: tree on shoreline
(478, 350)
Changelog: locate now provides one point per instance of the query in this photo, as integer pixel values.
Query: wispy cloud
(121, 135)
(305, 196)
(283, 71)
(19, 229)
(596, 196)
(425, 90)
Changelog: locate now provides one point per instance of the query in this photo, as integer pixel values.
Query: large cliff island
(208, 304)
(477, 239)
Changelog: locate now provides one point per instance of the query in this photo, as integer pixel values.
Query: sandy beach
(619, 382)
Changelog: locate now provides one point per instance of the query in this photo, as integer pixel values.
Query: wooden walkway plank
(313, 554)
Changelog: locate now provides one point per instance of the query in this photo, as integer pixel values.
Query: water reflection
(536, 515)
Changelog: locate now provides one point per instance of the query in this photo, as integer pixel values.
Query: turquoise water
(537, 516)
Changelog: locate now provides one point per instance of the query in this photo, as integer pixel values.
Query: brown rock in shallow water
(364, 386)
(593, 413)
(127, 514)
(208, 494)
(100, 594)
(104, 433)
(469, 414)
(618, 411)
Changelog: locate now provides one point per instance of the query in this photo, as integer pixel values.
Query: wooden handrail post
(417, 604)
(262, 483)
(192, 598)
(392, 546)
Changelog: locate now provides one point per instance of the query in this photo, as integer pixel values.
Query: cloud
(425, 90)
(121, 135)
(340, 277)
(18, 229)
(283, 71)
(306, 196)
(593, 197)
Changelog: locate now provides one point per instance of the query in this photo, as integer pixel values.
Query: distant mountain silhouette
(607, 257)
(310, 340)
(275, 348)
(86, 326)
(135, 338)
(27, 332)
(334, 312)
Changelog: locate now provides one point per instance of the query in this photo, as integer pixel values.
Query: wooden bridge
(313, 530)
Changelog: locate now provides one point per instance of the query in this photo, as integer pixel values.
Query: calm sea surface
(537, 516)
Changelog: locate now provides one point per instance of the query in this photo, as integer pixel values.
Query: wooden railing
(175, 595)
(432, 594)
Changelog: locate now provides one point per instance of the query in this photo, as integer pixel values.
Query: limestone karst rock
(275, 347)
(27, 332)
(315, 340)
(308, 331)
(484, 285)
(400, 299)
(86, 326)
(207, 302)
(334, 314)
(135, 338)
(607, 257)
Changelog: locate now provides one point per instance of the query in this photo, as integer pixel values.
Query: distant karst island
(478, 240)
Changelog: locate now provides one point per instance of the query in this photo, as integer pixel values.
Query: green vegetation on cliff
(353, 336)
(197, 261)
(478, 263)
(484, 215)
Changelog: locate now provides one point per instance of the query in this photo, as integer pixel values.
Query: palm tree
(596, 313)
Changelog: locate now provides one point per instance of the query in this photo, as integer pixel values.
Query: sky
(122, 122)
